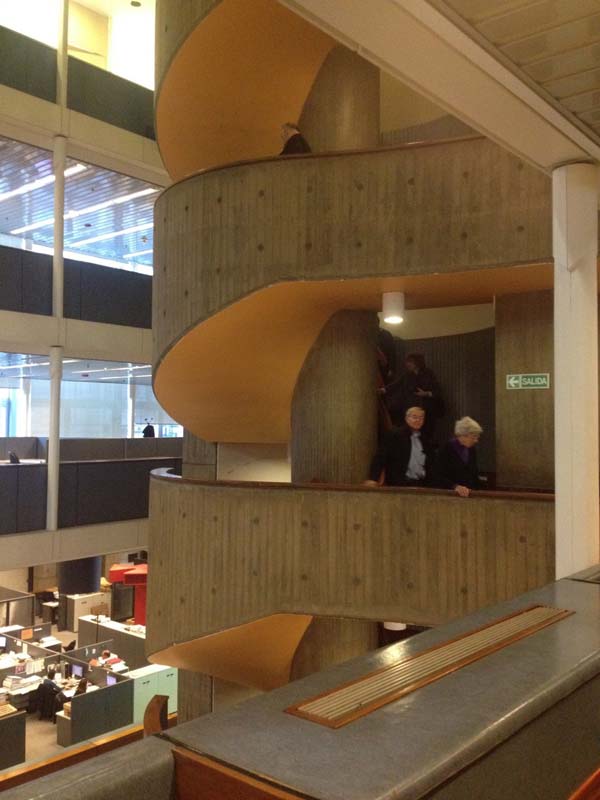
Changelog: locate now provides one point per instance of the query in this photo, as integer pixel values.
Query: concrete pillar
(195, 690)
(53, 456)
(195, 695)
(334, 407)
(334, 434)
(199, 458)
(59, 160)
(342, 109)
(575, 246)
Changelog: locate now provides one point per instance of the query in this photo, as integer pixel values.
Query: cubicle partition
(90, 491)
(89, 651)
(16, 608)
(127, 644)
(30, 66)
(95, 713)
(78, 449)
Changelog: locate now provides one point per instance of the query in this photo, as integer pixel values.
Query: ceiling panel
(98, 204)
(532, 18)
(556, 43)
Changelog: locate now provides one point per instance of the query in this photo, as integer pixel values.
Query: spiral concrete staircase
(268, 272)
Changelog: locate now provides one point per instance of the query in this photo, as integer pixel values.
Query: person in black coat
(293, 141)
(403, 453)
(456, 461)
(416, 386)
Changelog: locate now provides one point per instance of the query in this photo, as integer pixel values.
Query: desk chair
(70, 646)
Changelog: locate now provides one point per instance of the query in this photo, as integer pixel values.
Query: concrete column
(334, 434)
(342, 110)
(53, 457)
(199, 458)
(62, 54)
(59, 160)
(575, 246)
(334, 407)
(195, 693)
(131, 409)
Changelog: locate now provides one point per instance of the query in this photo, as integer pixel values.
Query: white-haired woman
(456, 461)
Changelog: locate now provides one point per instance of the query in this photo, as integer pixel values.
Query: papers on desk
(20, 683)
(33, 666)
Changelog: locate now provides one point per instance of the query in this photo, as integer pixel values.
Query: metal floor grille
(350, 701)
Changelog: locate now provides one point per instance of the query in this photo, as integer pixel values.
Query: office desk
(80, 604)
(19, 698)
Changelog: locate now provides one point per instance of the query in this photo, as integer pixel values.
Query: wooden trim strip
(73, 756)
(340, 718)
(196, 772)
(589, 790)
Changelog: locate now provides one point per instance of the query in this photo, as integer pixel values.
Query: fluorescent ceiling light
(38, 364)
(123, 377)
(41, 182)
(112, 369)
(103, 237)
(139, 253)
(89, 210)
(393, 307)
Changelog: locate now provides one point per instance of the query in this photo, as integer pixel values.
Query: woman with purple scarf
(456, 461)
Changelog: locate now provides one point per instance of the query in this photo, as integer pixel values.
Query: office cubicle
(97, 712)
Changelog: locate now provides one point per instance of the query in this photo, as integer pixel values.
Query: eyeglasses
(415, 416)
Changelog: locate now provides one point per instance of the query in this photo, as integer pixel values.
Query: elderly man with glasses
(404, 455)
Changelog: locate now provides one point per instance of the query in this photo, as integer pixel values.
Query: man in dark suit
(403, 455)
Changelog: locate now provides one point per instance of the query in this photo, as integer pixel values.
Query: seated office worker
(456, 461)
(404, 454)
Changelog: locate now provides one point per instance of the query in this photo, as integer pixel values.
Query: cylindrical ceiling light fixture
(393, 307)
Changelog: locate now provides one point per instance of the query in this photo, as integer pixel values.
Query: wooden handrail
(73, 756)
(166, 475)
(387, 148)
(589, 790)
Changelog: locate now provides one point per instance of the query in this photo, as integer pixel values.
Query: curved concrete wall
(237, 71)
(280, 234)
(248, 554)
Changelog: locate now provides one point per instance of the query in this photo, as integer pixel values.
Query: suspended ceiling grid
(22, 165)
(556, 43)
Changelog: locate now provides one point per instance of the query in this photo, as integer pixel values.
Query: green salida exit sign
(528, 380)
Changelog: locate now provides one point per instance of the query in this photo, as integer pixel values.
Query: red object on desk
(133, 575)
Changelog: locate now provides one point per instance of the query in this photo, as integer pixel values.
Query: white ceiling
(109, 7)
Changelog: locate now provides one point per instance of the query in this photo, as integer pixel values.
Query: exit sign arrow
(528, 380)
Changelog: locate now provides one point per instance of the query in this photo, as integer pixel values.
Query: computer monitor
(111, 680)
(77, 670)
